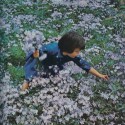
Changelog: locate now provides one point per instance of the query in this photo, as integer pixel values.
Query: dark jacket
(54, 57)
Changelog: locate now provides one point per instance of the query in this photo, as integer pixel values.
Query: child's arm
(96, 73)
(87, 67)
(36, 53)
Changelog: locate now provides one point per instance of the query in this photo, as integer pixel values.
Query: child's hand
(105, 77)
(96, 73)
(36, 54)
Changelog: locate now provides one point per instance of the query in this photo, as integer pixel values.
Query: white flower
(104, 95)
(27, 101)
(34, 111)
(10, 64)
(82, 121)
(92, 118)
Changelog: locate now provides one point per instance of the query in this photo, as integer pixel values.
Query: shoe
(25, 86)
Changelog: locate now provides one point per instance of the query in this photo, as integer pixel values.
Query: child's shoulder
(51, 47)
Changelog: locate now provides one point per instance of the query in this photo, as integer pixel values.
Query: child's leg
(49, 71)
(30, 70)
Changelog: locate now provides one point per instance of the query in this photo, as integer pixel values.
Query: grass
(17, 74)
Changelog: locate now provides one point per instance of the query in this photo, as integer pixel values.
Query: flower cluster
(81, 3)
(51, 101)
(32, 39)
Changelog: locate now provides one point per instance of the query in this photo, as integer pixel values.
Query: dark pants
(30, 70)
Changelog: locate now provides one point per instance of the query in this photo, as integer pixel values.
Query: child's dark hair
(70, 41)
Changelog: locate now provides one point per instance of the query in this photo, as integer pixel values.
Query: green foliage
(38, 9)
(50, 33)
(12, 120)
(99, 88)
(109, 64)
(3, 39)
(123, 34)
(115, 87)
(74, 16)
(96, 12)
(23, 9)
(97, 39)
(119, 3)
(73, 122)
(116, 23)
(77, 76)
(17, 55)
(66, 28)
(121, 107)
(108, 22)
(73, 95)
(17, 73)
(45, 11)
(97, 59)
(7, 2)
(28, 25)
(122, 7)
(80, 31)
(62, 9)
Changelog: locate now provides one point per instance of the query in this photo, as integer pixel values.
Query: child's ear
(65, 53)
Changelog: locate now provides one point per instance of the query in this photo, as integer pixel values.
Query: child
(67, 49)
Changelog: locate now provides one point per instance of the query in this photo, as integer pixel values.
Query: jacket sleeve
(82, 63)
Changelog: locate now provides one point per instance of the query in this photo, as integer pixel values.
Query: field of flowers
(73, 97)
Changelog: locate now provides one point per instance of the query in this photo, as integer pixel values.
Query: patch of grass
(10, 2)
(96, 12)
(44, 11)
(97, 39)
(108, 22)
(110, 64)
(62, 9)
(50, 33)
(66, 28)
(17, 73)
(3, 39)
(57, 21)
(73, 121)
(80, 31)
(99, 87)
(23, 9)
(115, 87)
(28, 25)
(74, 16)
(17, 55)
(12, 120)
(116, 23)
(39, 9)
(123, 33)
(97, 59)
(122, 7)
(77, 76)
(74, 93)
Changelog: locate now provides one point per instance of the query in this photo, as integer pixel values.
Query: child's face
(73, 54)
